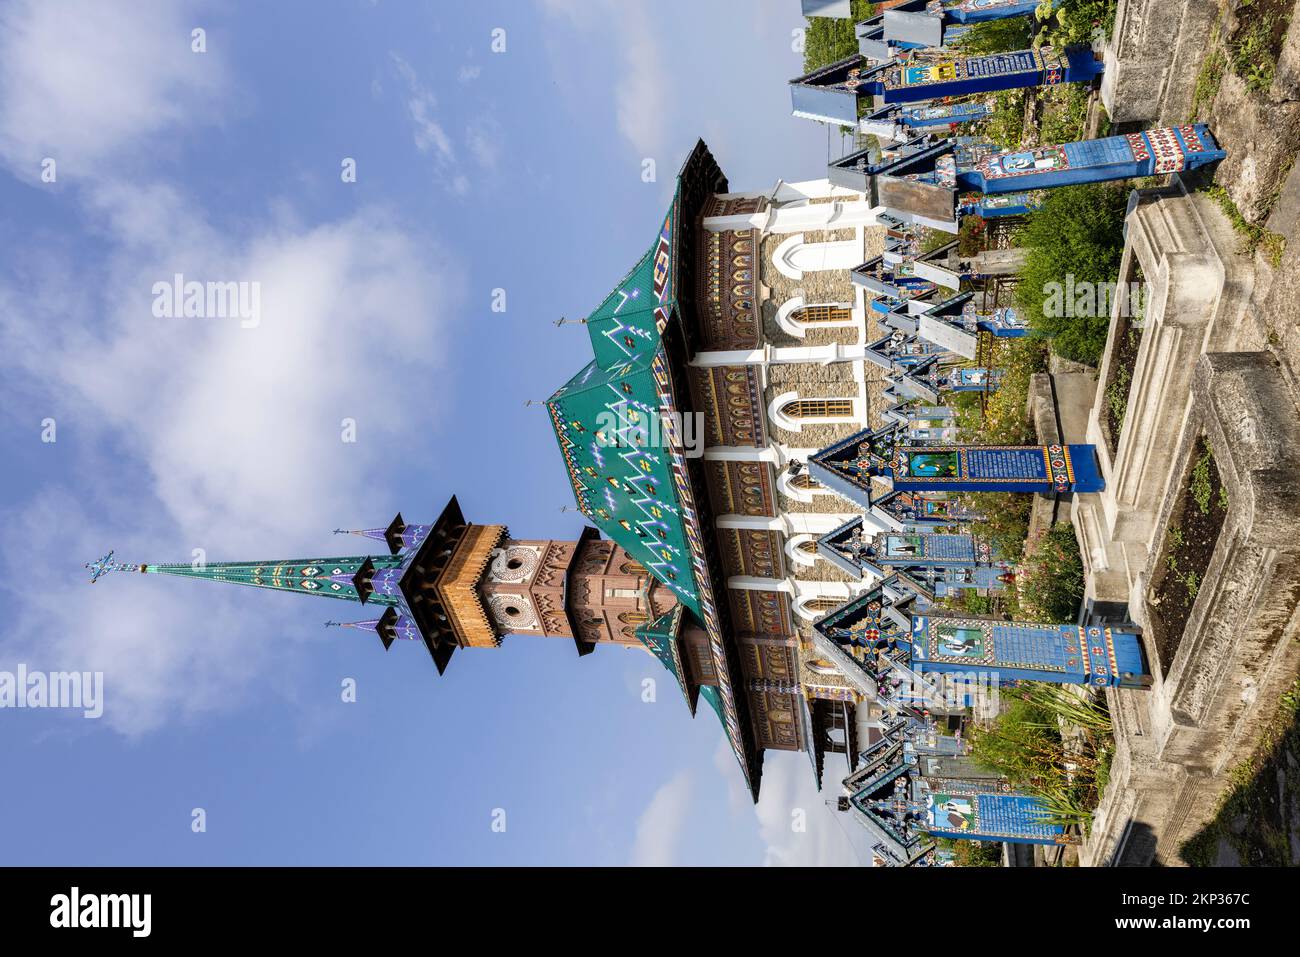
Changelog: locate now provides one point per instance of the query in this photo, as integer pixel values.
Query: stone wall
(1152, 59)
(1197, 291)
(1207, 371)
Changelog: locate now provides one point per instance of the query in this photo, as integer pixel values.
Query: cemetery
(1149, 147)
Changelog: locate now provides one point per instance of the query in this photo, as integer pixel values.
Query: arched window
(632, 568)
(806, 482)
(818, 409)
(815, 314)
(808, 545)
(823, 604)
(634, 618)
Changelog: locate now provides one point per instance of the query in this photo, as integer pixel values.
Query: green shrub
(1050, 581)
(1024, 743)
(1077, 22)
(1254, 50)
(972, 853)
(1252, 236)
(1065, 113)
(1078, 231)
(1004, 419)
(1006, 125)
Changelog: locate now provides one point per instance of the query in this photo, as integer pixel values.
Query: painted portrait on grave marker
(951, 812)
(955, 641)
(931, 464)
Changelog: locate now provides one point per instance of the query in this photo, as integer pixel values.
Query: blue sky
(476, 170)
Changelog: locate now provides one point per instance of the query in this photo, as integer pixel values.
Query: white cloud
(830, 838)
(659, 828)
(644, 88)
(576, 11)
(159, 662)
(482, 139)
(422, 105)
(231, 436)
(216, 410)
(83, 81)
(484, 142)
(238, 430)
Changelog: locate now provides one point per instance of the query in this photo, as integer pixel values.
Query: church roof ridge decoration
(624, 455)
(328, 577)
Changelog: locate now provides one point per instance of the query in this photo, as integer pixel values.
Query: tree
(997, 36)
(828, 40)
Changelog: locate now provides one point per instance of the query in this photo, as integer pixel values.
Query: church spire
(453, 584)
(359, 578)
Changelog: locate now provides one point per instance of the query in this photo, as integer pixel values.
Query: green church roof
(622, 478)
(624, 456)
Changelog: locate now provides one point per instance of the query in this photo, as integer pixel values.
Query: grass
(972, 853)
(1117, 394)
(1202, 489)
(1208, 81)
(1253, 237)
(1254, 50)
(1006, 125)
(1065, 113)
(932, 239)
(1003, 420)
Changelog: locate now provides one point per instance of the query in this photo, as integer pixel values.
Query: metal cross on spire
(105, 565)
